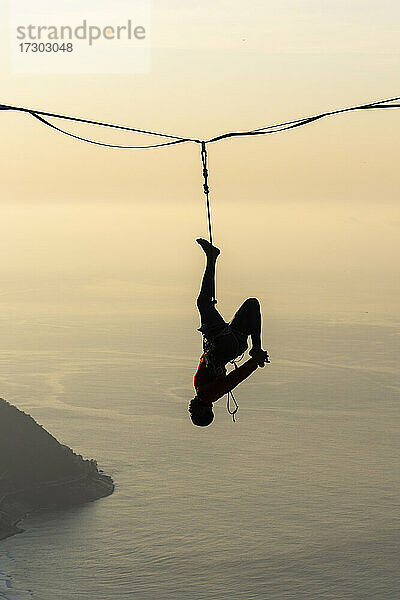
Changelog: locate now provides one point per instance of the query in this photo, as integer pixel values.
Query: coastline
(39, 473)
(16, 505)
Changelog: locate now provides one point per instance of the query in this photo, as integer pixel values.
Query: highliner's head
(200, 412)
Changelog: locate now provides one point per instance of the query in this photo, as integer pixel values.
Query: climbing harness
(209, 346)
(209, 357)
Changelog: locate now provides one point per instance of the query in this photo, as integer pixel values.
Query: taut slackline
(170, 140)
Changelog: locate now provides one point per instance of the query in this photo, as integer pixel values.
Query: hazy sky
(215, 67)
(218, 66)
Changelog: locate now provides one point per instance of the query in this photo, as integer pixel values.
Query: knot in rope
(205, 170)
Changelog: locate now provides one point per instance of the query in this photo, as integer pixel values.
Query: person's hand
(261, 356)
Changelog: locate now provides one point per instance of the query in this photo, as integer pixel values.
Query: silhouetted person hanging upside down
(222, 342)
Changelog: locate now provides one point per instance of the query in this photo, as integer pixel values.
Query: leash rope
(206, 189)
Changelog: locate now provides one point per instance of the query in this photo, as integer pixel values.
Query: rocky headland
(38, 473)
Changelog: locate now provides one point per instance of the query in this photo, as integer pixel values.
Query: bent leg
(247, 320)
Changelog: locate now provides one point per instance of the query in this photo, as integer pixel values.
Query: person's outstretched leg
(207, 290)
(205, 301)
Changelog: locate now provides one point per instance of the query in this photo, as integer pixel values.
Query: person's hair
(200, 412)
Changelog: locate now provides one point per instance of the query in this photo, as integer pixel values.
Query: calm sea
(297, 500)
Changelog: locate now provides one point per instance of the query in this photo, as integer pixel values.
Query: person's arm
(217, 388)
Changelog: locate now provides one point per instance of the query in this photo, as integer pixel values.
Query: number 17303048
(45, 47)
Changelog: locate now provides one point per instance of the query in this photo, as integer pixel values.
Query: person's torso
(206, 373)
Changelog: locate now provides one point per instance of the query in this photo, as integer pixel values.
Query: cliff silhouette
(38, 473)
